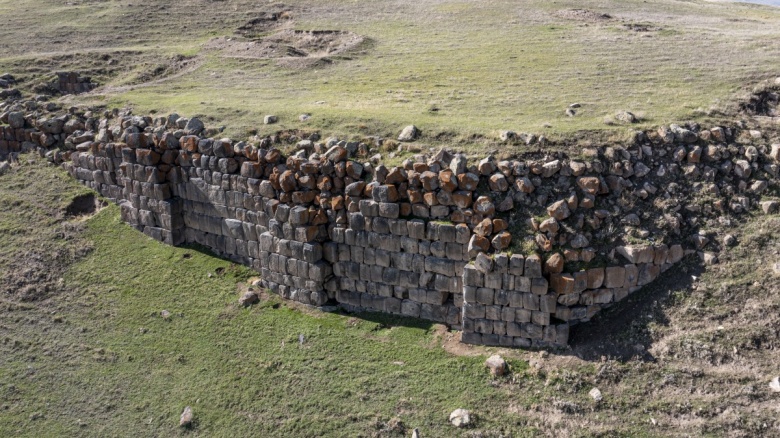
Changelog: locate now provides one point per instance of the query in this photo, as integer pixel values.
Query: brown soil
(581, 15)
(83, 205)
(265, 22)
(291, 48)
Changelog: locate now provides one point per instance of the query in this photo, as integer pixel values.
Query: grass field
(84, 350)
(454, 68)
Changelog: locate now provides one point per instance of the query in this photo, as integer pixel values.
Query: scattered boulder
(774, 385)
(595, 394)
(248, 298)
(270, 119)
(770, 207)
(4, 167)
(460, 418)
(625, 117)
(185, 420)
(409, 133)
(507, 136)
(497, 365)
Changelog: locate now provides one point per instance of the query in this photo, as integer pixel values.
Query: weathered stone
(185, 420)
(498, 183)
(458, 165)
(477, 244)
(497, 365)
(501, 240)
(615, 276)
(554, 264)
(460, 418)
(409, 133)
(562, 284)
(589, 184)
(248, 298)
(559, 210)
(484, 206)
(484, 228)
(483, 263)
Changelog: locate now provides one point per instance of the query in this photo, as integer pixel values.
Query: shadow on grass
(386, 321)
(623, 331)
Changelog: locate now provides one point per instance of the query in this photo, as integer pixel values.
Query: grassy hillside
(85, 350)
(451, 67)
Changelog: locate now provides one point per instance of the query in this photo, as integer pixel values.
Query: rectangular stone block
(522, 315)
(410, 308)
(547, 303)
(533, 266)
(485, 295)
(615, 276)
(531, 301)
(562, 284)
(473, 311)
(595, 278)
(539, 286)
(632, 276)
(499, 328)
(516, 265)
(580, 281)
(493, 312)
(471, 338)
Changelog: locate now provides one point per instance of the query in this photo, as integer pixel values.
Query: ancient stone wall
(73, 83)
(512, 252)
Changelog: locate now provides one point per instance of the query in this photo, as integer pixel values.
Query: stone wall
(512, 252)
(73, 83)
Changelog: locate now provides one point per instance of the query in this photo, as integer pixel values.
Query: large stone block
(615, 276)
(562, 284)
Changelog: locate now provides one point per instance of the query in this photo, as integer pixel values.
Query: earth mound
(290, 48)
(264, 23)
(582, 15)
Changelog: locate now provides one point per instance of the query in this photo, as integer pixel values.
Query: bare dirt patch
(582, 15)
(290, 48)
(84, 205)
(264, 23)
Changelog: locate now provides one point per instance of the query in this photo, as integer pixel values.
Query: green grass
(97, 359)
(486, 66)
(84, 350)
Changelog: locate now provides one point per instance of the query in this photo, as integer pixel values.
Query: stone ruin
(73, 83)
(511, 252)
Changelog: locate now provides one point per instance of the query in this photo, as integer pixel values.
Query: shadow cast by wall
(622, 332)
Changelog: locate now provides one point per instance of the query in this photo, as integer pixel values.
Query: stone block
(539, 285)
(548, 303)
(533, 267)
(471, 338)
(410, 308)
(615, 276)
(522, 284)
(494, 280)
(493, 313)
(562, 284)
(632, 276)
(540, 318)
(516, 265)
(485, 295)
(473, 311)
(530, 302)
(595, 278)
